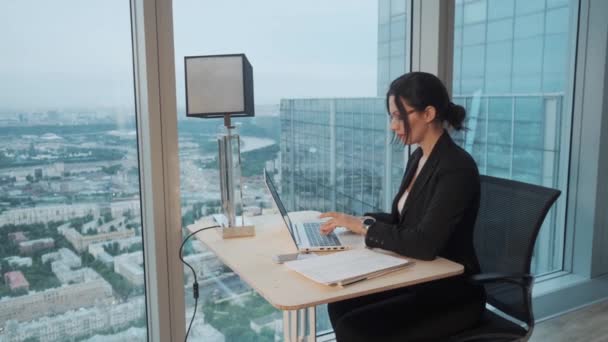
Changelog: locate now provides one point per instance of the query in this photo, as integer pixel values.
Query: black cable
(195, 285)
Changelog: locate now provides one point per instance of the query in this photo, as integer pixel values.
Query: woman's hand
(352, 223)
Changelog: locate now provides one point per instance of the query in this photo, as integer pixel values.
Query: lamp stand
(231, 183)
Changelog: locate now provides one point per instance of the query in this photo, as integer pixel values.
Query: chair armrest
(522, 279)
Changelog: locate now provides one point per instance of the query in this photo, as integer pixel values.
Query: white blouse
(401, 202)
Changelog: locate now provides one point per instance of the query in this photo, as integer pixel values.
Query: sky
(75, 53)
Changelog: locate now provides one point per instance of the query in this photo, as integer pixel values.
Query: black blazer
(440, 211)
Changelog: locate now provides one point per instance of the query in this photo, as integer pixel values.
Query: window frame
(584, 280)
(156, 113)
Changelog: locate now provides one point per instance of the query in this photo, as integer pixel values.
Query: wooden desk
(251, 259)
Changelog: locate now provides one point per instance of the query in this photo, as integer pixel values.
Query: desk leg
(300, 325)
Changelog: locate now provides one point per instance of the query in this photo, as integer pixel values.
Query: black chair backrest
(510, 216)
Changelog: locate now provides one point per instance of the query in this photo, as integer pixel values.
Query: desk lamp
(221, 86)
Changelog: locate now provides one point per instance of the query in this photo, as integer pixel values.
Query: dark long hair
(420, 90)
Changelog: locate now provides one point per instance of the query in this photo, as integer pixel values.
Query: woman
(432, 215)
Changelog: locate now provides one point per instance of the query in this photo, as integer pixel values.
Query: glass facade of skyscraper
(333, 154)
(336, 154)
(512, 62)
(511, 73)
(393, 41)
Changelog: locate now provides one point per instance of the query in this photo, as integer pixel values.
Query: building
(393, 42)
(81, 242)
(79, 323)
(206, 265)
(64, 255)
(17, 237)
(56, 300)
(55, 170)
(206, 332)
(130, 266)
(38, 174)
(98, 251)
(336, 154)
(16, 281)
(202, 331)
(274, 322)
(120, 208)
(31, 246)
(252, 211)
(511, 73)
(62, 212)
(46, 213)
(515, 108)
(131, 334)
(64, 263)
(66, 275)
(17, 261)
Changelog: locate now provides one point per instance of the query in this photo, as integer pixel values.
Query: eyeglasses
(397, 118)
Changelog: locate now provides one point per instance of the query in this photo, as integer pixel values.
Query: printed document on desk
(347, 267)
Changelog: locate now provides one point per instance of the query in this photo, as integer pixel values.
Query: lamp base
(238, 231)
(228, 232)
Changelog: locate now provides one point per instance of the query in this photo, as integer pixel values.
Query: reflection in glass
(519, 72)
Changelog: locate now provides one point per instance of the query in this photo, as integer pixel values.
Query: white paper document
(343, 268)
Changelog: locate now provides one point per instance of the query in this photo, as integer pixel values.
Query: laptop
(306, 235)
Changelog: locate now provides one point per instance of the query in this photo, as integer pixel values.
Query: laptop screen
(277, 200)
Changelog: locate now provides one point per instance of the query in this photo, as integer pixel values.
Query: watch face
(369, 221)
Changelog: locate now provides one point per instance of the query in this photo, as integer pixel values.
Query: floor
(589, 324)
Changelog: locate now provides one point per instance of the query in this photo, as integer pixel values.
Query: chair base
(493, 327)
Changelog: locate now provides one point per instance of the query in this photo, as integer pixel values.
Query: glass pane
(397, 25)
(528, 6)
(522, 75)
(527, 65)
(474, 34)
(474, 11)
(500, 9)
(71, 252)
(458, 14)
(556, 20)
(500, 30)
(529, 25)
(555, 59)
(557, 3)
(498, 68)
(397, 6)
(320, 123)
(457, 36)
(476, 54)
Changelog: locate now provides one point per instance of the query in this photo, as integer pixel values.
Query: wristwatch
(367, 221)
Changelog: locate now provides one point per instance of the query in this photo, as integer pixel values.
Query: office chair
(510, 215)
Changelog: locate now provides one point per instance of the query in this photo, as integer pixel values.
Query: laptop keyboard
(316, 238)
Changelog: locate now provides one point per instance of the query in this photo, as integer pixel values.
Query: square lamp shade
(217, 85)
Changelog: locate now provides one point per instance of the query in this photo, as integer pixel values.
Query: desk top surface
(251, 259)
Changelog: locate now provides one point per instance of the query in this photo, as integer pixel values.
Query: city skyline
(60, 67)
(70, 208)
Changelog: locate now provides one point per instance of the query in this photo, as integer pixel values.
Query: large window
(321, 70)
(71, 253)
(513, 71)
